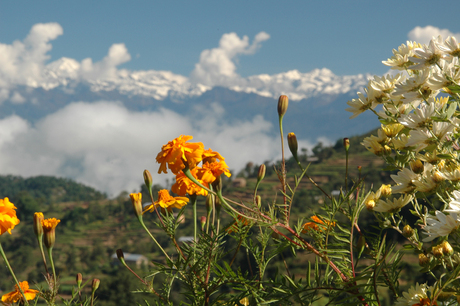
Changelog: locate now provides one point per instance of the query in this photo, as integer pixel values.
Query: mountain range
(317, 98)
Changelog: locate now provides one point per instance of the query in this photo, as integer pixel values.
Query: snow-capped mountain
(159, 85)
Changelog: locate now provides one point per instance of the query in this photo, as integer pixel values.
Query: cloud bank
(424, 35)
(106, 146)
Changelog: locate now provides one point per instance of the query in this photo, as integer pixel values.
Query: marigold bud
(360, 168)
(346, 143)
(203, 222)
(261, 174)
(148, 179)
(293, 145)
(95, 284)
(136, 200)
(423, 260)
(49, 230)
(258, 201)
(209, 203)
(416, 166)
(120, 254)
(407, 231)
(38, 228)
(283, 103)
(79, 279)
(447, 248)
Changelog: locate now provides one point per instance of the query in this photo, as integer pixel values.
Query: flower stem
(50, 255)
(283, 170)
(40, 244)
(154, 240)
(193, 200)
(12, 273)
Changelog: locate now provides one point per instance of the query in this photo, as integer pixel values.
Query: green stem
(193, 202)
(346, 170)
(50, 255)
(40, 244)
(154, 240)
(12, 273)
(283, 170)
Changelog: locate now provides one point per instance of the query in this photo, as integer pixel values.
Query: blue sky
(347, 37)
(249, 46)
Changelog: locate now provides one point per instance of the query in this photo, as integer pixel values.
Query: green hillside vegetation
(92, 226)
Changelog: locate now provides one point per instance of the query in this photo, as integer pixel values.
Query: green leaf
(444, 156)
(454, 88)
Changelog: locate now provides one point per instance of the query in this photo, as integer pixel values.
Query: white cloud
(107, 146)
(424, 35)
(217, 65)
(107, 67)
(23, 62)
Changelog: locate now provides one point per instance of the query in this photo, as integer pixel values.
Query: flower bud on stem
(94, 287)
(283, 103)
(260, 177)
(49, 229)
(346, 144)
(38, 230)
(121, 258)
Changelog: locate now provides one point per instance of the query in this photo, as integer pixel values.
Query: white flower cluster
(415, 296)
(419, 112)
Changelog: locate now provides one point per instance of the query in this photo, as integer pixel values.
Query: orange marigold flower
(211, 171)
(165, 200)
(176, 151)
(49, 229)
(8, 219)
(50, 224)
(210, 156)
(15, 296)
(184, 185)
(316, 225)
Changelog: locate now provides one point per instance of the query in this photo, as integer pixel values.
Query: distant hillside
(47, 189)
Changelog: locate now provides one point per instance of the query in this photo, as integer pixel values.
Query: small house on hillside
(239, 182)
(131, 259)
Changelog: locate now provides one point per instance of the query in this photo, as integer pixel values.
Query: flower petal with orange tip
(50, 224)
(316, 224)
(15, 296)
(165, 200)
(211, 171)
(174, 153)
(211, 156)
(184, 185)
(8, 218)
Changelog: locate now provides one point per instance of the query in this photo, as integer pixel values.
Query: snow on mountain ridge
(161, 84)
